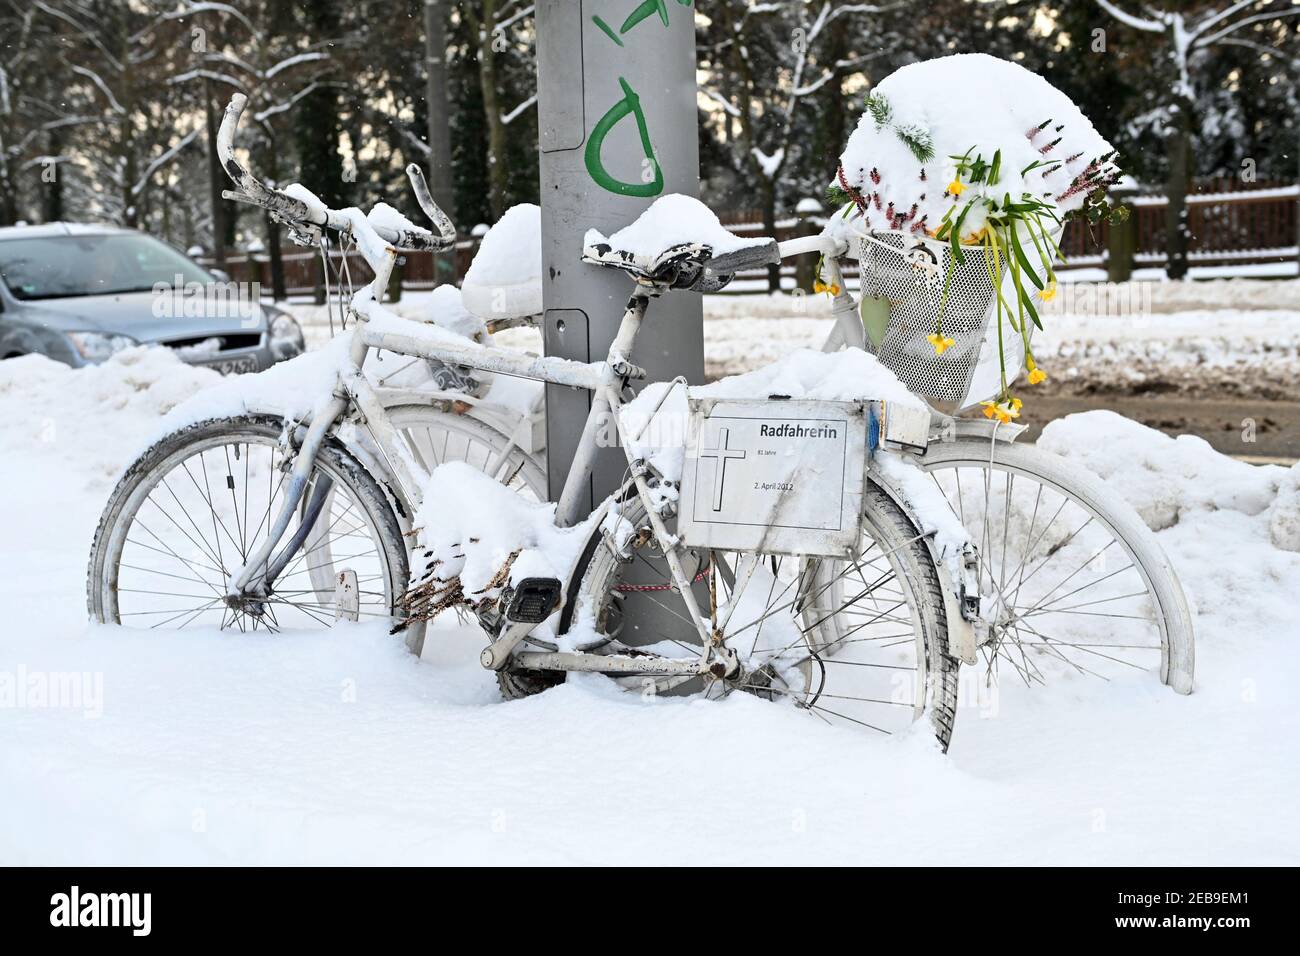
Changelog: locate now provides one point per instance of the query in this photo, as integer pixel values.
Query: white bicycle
(1073, 581)
(260, 523)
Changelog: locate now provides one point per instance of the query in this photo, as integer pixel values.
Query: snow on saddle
(505, 279)
(679, 241)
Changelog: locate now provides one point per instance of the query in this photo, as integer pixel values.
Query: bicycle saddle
(679, 242)
(505, 279)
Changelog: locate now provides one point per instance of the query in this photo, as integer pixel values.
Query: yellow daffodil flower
(1036, 374)
(956, 187)
(820, 286)
(1048, 293)
(940, 342)
(1003, 411)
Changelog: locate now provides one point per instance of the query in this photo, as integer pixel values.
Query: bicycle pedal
(533, 600)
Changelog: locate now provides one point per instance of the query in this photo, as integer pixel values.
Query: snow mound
(1163, 478)
(53, 409)
(143, 380)
(969, 104)
(505, 278)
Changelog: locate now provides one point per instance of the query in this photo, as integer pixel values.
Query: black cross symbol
(721, 453)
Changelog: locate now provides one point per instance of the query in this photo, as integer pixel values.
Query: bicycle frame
(376, 328)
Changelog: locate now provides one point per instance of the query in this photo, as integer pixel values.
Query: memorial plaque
(778, 475)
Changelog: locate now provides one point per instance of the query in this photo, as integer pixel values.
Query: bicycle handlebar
(253, 190)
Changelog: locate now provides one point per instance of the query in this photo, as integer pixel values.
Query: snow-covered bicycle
(1073, 581)
(245, 519)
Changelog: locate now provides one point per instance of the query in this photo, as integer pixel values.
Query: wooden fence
(1227, 224)
(1231, 223)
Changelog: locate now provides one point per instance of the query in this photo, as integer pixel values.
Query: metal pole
(439, 122)
(617, 122)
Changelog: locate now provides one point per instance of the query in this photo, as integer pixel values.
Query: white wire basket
(909, 272)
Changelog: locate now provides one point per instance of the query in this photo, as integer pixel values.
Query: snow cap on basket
(899, 164)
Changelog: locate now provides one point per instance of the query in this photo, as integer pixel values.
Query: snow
(384, 216)
(968, 102)
(844, 376)
(292, 389)
(656, 420)
(316, 748)
(672, 220)
(447, 310)
(319, 211)
(769, 163)
(1162, 477)
(471, 524)
(505, 278)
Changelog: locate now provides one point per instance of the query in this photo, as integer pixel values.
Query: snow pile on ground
(341, 748)
(57, 413)
(1170, 480)
(1229, 528)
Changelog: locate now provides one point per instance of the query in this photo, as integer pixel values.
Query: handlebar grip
(441, 221)
(251, 189)
(250, 185)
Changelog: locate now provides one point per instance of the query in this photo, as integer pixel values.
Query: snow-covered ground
(340, 747)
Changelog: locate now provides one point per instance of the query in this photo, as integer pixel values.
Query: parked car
(79, 293)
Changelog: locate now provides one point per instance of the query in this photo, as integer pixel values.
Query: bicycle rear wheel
(1071, 579)
(434, 437)
(196, 505)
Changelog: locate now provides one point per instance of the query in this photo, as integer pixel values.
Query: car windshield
(55, 267)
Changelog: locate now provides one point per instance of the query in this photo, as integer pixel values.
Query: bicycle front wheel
(1072, 581)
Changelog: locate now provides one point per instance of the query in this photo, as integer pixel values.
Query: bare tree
(1256, 24)
(500, 28)
(774, 57)
(276, 72)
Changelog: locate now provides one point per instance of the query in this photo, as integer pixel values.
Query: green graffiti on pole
(646, 9)
(609, 31)
(630, 104)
